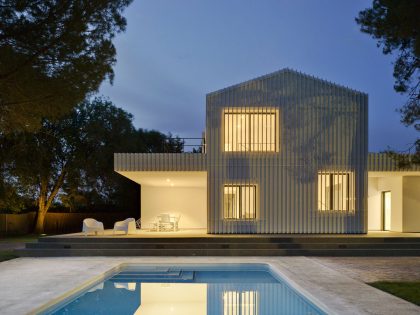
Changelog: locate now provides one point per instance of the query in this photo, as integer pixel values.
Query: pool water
(241, 289)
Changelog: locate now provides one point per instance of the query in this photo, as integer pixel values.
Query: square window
(336, 191)
(251, 131)
(239, 202)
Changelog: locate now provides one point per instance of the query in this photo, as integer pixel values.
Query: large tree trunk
(45, 201)
(39, 227)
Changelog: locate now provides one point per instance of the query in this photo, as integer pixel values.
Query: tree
(71, 159)
(61, 151)
(396, 27)
(53, 54)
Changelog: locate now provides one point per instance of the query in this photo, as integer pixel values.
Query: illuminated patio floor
(203, 233)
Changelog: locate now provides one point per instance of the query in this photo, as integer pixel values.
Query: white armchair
(91, 225)
(128, 226)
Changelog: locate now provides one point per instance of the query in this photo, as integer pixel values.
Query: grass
(18, 238)
(8, 253)
(409, 291)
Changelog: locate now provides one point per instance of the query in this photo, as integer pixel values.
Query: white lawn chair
(128, 226)
(91, 225)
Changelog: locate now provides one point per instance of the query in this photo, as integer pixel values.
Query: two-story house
(284, 153)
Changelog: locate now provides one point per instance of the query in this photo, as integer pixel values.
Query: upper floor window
(336, 191)
(255, 131)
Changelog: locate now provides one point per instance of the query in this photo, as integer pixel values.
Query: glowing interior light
(172, 184)
(168, 180)
(256, 130)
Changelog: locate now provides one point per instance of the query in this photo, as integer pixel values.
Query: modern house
(284, 153)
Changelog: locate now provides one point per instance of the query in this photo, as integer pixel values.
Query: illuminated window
(335, 191)
(240, 303)
(239, 202)
(250, 131)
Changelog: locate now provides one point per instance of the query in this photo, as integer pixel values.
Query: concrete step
(45, 252)
(192, 246)
(235, 245)
(232, 239)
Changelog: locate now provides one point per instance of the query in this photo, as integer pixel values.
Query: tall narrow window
(240, 303)
(336, 191)
(239, 202)
(251, 131)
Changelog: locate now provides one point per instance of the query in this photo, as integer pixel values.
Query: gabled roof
(282, 71)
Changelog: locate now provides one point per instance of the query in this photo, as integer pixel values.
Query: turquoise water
(187, 289)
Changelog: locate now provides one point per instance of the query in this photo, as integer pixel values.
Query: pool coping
(28, 283)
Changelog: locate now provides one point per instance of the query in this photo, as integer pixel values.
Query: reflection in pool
(198, 290)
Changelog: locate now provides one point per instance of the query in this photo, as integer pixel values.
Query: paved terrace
(203, 233)
(29, 283)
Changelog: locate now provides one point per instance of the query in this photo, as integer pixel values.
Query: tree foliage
(396, 27)
(53, 54)
(70, 160)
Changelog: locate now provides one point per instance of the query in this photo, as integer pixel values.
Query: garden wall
(57, 223)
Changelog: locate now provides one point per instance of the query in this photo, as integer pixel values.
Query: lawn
(409, 291)
(7, 243)
(6, 255)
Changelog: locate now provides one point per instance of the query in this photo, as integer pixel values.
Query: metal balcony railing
(187, 145)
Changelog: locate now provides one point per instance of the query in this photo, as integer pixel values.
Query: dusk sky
(174, 52)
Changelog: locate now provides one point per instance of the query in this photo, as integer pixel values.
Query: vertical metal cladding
(321, 127)
(160, 162)
(381, 162)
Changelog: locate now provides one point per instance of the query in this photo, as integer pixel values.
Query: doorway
(386, 210)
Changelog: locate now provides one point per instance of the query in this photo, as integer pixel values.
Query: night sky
(175, 51)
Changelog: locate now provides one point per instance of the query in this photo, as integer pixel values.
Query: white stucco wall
(190, 202)
(374, 205)
(376, 185)
(411, 204)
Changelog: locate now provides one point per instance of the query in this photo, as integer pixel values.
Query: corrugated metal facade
(159, 162)
(322, 127)
(381, 162)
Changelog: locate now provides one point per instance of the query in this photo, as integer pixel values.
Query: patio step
(230, 239)
(223, 246)
(216, 252)
(164, 246)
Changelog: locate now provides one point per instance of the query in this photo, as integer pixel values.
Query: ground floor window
(336, 191)
(240, 303)
(239, 202)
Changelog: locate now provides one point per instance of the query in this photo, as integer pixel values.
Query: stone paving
(371, 269)
(29, 283)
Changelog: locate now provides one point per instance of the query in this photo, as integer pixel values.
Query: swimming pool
(225, 289)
